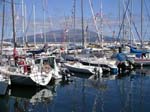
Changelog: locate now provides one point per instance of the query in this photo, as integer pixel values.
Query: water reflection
(127, 92)
(25, 99)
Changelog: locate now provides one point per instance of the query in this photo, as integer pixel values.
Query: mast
(101, 24)
(3, 20)
(25, 22)
(82, 23)
(44, 21)
(119, 17)
(34, 24)
(22, 22)
(141, 23)
(13, 23)
(74, 18)
(130, 24)
(74, 14)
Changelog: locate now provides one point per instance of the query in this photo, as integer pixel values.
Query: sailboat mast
(23, 22)
(101, 14)
(141, 23)
(13, 23)
(44, 3)
(119, 13)
(3, 20)
(34, 24)
(82, 23)
(130, 24)
(74, 14)
(74, 18)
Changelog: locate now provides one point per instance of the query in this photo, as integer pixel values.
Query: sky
(58, 15)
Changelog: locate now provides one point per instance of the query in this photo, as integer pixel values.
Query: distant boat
(39, 51)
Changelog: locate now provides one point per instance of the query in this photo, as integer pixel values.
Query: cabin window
(37, 61)
(45, 61)
(51, 61)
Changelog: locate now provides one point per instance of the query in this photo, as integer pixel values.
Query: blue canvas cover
(121, 57)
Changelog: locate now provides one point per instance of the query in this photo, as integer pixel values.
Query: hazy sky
(58, 12)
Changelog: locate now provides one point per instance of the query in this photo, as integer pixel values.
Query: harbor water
(128, 92)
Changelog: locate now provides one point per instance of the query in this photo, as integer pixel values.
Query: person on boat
(143, 55)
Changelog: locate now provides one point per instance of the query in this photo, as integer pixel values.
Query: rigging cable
(123, 19)
(135, 26)
(94, 19)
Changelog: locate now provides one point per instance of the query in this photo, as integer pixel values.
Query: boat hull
(22, 80)
(79, 70)
(3, 87)
(82, 69)
(104, 67)
(142, 62)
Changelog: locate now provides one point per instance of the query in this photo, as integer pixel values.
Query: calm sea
(128, 92)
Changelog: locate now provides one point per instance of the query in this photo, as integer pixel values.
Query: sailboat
(142, 55)
(31, 72)
(28, 71)
(107, 65)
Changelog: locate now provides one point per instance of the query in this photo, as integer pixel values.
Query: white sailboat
(23, 71)
(35, 72)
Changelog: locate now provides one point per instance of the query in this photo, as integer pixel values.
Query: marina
(92, 59)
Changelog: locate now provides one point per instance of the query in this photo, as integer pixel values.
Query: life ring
(46, 68)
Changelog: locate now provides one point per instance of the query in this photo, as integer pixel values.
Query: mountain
(64, 36)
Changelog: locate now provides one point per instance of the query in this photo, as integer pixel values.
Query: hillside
(61, 36)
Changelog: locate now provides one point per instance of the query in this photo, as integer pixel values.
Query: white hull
(32, 79)
(107, 65)
(78, 67)
(34, 72)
